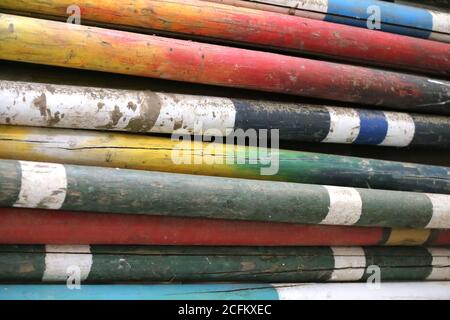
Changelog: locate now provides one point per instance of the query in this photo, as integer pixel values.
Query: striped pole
(66, 187)
(24, 264)
(259, 28)
(47, 105)
(187, 155)
(436, 290)
(396, 18)
(34, 226)
(75, 46)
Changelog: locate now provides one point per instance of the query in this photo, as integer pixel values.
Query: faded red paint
(33, 226)
(21, 226)
(62, 44)
(441, 238)
(214, 20)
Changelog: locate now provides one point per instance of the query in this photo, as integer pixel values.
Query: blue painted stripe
(140, 292)
(373, 127)
(395, 18)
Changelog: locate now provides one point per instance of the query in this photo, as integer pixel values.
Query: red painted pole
(66, 45)
(34, 226)
(255, 27)
(441, 238)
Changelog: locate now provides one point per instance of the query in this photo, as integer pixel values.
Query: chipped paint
(255, 27)
(226, 66)
(34, 226)
(45, 105)
(111, 190)
(157, 154)
(227, 264)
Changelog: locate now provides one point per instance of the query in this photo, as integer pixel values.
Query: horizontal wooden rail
(82, 188)
(398, 18)
(67, 45)
(25, 264)
(186, 155)
(35, 226)
(76, 107)
(267, 29)
(435, 290)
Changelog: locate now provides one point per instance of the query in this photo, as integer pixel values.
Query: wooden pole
(398, 18)
(34, 226)
(74, 46)
(79, 188)
(437, 5)
(187, 155)
(435, 290)
(25, 264)
(76, 107)
(268, 29)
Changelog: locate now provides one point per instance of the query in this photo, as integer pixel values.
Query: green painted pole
(95, 264)
(83, 188)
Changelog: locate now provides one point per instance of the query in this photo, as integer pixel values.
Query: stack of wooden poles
(88, 183)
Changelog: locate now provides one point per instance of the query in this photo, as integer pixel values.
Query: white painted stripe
(344, 125)
(441, 37)
(43, 185)
(345, 206)
(349, 263)
(401, 129)
(362, 291)
(61, 260)
(441, 264)
(35, 104)
(441, 21)
(315, 5)
(195, 115)
(441, 211)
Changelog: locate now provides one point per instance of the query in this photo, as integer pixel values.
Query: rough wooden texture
(414, 20)
(436, 290)
(24, 264)
(47, 105)
(217, 21)
(34, 226)
(20, 71)
(74, 46)
(83, 188)
(142, 152)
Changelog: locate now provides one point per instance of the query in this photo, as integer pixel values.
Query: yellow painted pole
(184, 155)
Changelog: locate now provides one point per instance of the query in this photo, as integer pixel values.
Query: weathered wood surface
(398, 18)
(35, 226)
(61, 44)
(26, 72)
(47, 105)
(131, 151)
(435, 290)
(253, 27)
(82, 188)
(24, 264)
(437, 5)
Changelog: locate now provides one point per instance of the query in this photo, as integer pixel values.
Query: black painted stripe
(399, 263)
(434, 233)
(310, 124)
(385, 236)
(431, 131)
